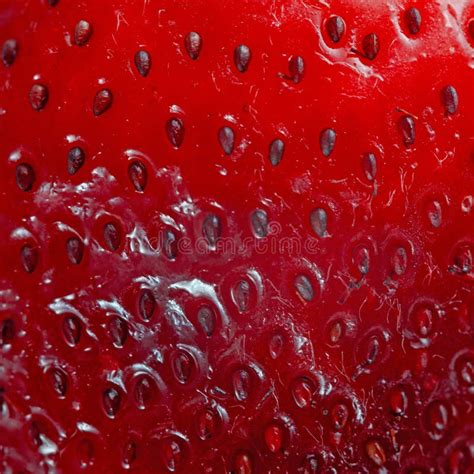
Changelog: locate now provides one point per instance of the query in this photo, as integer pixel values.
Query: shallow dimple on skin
(406, 124)
(112, 236)
(259, 220)
(369, 165)
(304, 287)
(29, 258)
(111, 401)
(212, 230)
(75, 250)
(72, 329)
(25, 176)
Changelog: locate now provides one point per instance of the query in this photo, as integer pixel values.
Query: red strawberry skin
(152, 321)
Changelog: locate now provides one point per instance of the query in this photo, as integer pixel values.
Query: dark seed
(327, 140)
(413, 20)
(319, 222)
(369, 165)
(450, 100)
(193, 44)
(242, 57)
(143, 62)
(406, 124)
(112, 236)
(296, 68)
(9, 52)
(53, 3)
(304, 287)
(175, 131)
(38, 96)
(335, 28)
(277, 148)
(111, 400)
(82, 33)
(29, 258)
(75, 250)
(147, 304)
(211, 229)
(25, 176)
(75, 160)
(371, 46)
(259, 221)
(138, 175)
(102, 101)
(226, 139)
(7, 331)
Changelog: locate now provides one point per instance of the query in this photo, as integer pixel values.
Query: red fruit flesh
(236, 236)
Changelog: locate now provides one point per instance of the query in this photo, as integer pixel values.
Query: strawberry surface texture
(236, 236)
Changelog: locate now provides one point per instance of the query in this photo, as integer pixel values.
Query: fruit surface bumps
(236, 236)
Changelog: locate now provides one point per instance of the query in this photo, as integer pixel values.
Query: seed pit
(335, 28)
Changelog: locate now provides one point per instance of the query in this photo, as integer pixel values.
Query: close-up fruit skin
(237, 236)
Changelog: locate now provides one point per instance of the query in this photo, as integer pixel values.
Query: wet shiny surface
(236, 236)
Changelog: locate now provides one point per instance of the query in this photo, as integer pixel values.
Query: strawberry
(236, 236)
